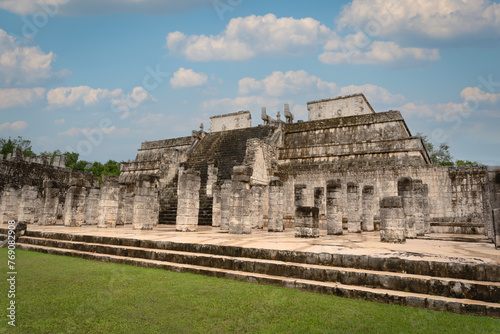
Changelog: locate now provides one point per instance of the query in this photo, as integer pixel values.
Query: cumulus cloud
(374, 94)
(185, 78)
(59, 121)
(291, 82)
(15, 126)
(23, 65)
(127, 103)
(252, 36)
(424, 19)
(376, 53)
(240, 103)
(78, 96)
(99, 7)
(474, 94)
(20, 97)
(111, 131)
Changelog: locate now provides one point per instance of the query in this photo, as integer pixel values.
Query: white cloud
(474, 94)
(23, 65)
(221, 106)
(99, 7)
(185, 78)
(424, 19)
(291, 82)
(374, 94)
(150, 119)
(126, 104)
(81, 95)
(251, 36)
(15, 126)
(376, 53)
(20, 97)
(59, 121)
(111, 131)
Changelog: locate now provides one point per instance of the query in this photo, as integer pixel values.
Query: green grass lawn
(58, 294)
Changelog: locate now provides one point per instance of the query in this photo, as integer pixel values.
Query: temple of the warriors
(347, 169)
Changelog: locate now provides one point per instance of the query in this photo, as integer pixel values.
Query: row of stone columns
(101, 207)
(406, 215)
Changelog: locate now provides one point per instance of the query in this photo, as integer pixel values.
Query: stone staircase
(455, 286)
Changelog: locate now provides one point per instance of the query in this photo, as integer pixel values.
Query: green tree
(71, 159)
(441, 154)
(9, 145)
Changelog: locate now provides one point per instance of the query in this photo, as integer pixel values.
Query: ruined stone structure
(345, 170)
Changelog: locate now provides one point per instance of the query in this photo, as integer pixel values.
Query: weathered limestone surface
(496, 227)
(240, 220)
(216, 206)
(427, 211)
(405, 191)
(367, 203)
(392, 220)
(188, 201)
(306, 222)
(126, 204)
(275, 215)
(9, 206)
(333, 207)
(353, 209)
(30, 204)
(146, 208)
(225, 205)
(109, 201)
(258, 206)
(419, 206)
(92, 206)
(299, 190)
(50, 203)
(74, 209)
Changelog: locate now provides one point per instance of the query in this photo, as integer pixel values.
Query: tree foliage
(441, 155)
(10, 144)
(72, 158)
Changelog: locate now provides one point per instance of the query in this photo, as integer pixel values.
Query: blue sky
(100, 77)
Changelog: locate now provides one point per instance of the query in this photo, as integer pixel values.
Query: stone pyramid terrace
(347, 203)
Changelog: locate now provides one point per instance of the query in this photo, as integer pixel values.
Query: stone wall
(339, 107)
(237, 120)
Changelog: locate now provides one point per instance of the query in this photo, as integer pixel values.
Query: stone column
(146, 209)
(29, 204)
(225, 205)
(240, 220)
(367, 203)
(392, 220)
(405, 190)
(92, 207)
(333, 207)
(306, 222)
(108, 201)
(418, 207)
(50, 203)
(74, 205)
(126, 204)
(299, 190)
(275, 214)
(188, 203)
(427, 209)
(9, 207)
(216, 206)
(258, 206)
(496, 228)
(353, 210)
(319, 194)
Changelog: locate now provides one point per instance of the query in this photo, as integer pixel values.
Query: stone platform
(438, 271)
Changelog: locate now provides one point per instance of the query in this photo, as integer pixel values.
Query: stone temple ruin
(348, 169)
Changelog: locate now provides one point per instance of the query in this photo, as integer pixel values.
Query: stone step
(457, 268)
(462, 306)
(447, 287)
